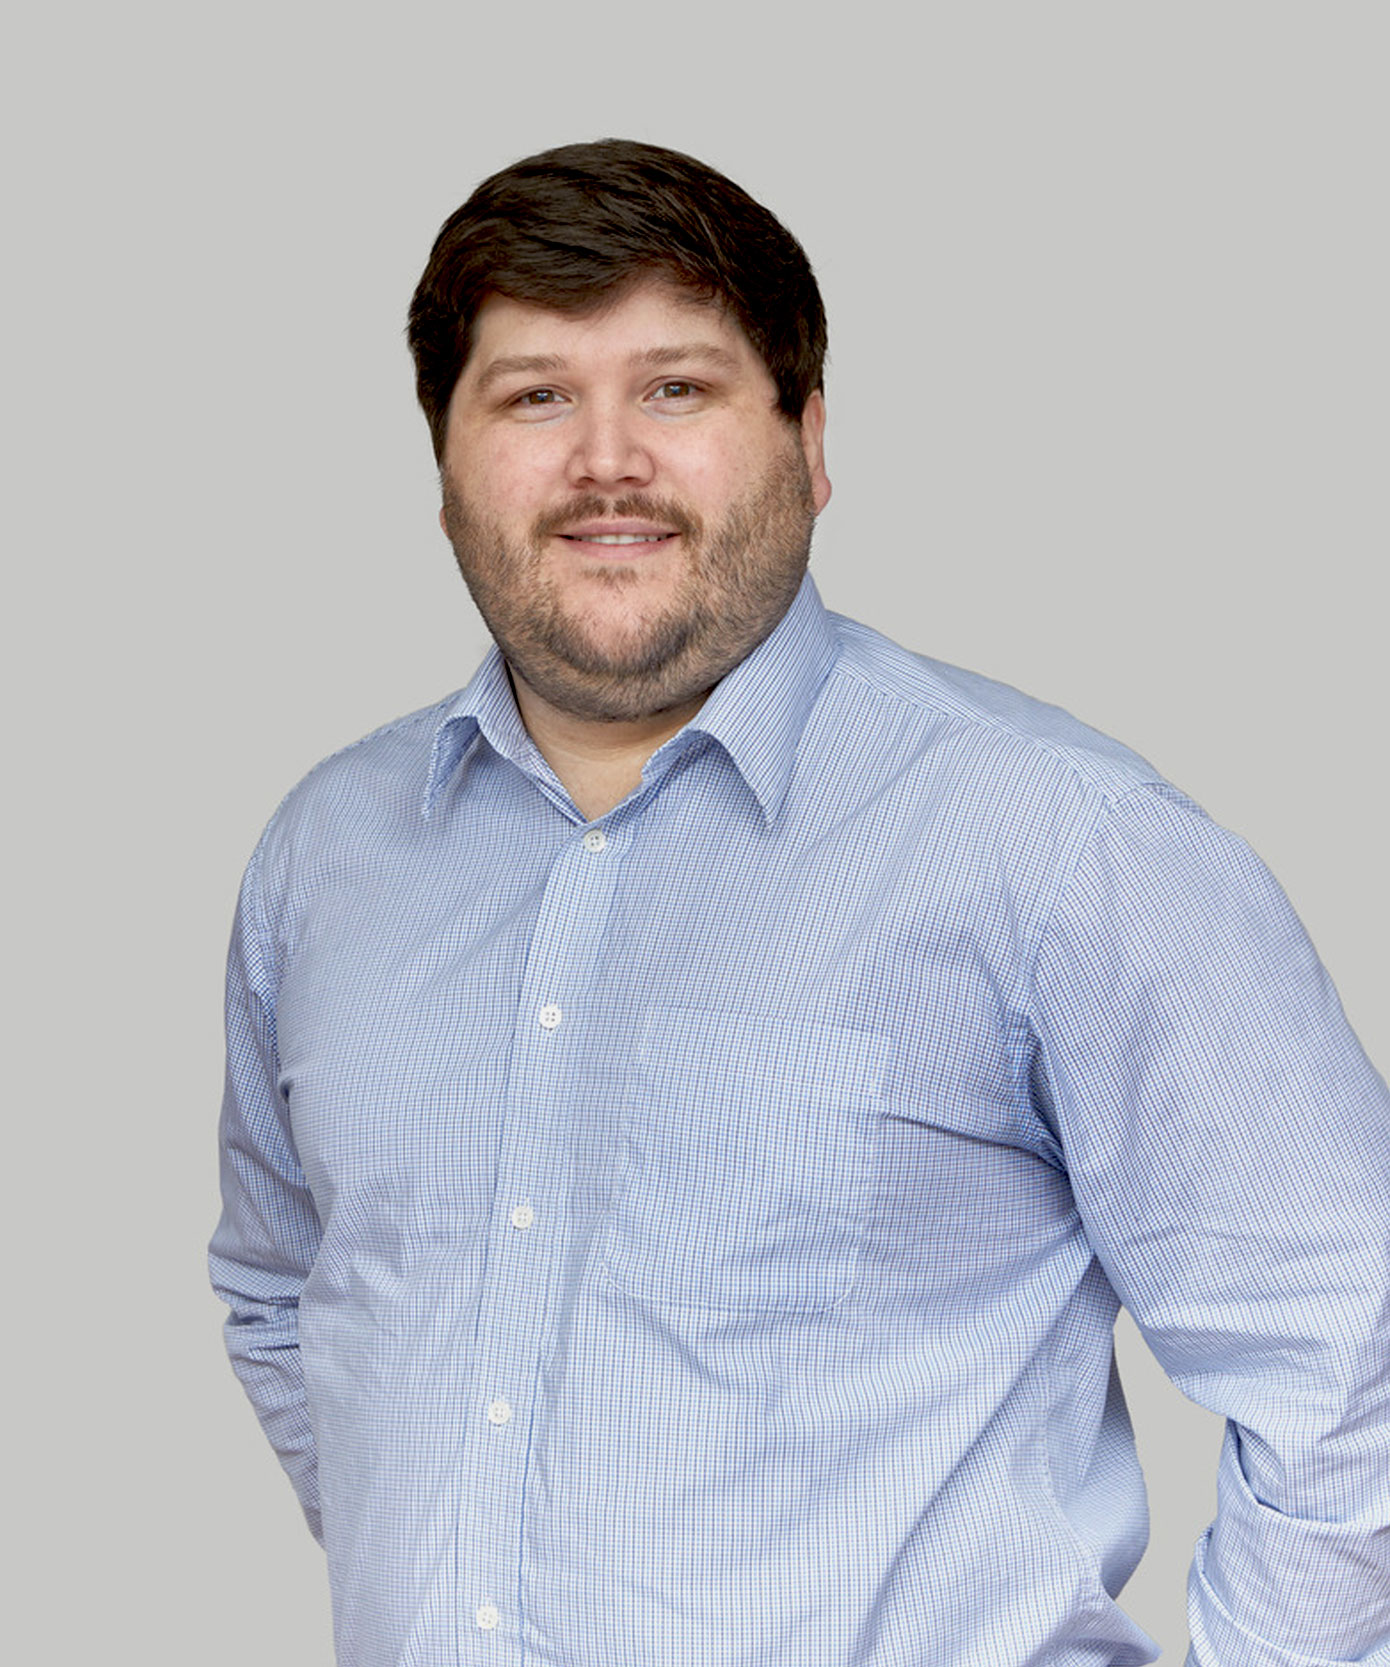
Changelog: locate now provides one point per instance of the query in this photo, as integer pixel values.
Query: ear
(813, 446)
(443, 524)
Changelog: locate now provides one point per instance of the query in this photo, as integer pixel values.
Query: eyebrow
(662, 358)
(650, 358)
(518, 364)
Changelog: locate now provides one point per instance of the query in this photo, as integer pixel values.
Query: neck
(598, 762)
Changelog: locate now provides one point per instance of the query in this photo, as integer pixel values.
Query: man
(697, 1096)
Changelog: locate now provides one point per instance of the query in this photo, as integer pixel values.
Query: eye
(675, 389)
(537, 396)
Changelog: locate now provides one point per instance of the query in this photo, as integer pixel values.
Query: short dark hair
(571, 228)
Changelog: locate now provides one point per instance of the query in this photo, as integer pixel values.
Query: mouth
(620, 540)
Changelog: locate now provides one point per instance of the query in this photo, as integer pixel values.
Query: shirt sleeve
(1229, 1150)
(269, 1232)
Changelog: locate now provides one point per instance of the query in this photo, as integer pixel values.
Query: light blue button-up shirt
(693, 1239)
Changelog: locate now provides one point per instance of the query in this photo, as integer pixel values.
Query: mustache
(636, 506)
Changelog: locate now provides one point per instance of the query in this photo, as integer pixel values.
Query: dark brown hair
(573, 227)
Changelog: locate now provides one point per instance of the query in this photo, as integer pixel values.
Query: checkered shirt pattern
(695, 1237)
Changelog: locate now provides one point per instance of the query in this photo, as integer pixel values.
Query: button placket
(532, 1164)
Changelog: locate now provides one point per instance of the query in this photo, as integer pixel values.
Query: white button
(523, 1216)
(499, 1411)
(550, 1015)
(595, 839)
(487, 1616)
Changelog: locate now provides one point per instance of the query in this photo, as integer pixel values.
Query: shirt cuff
(1270, 1590)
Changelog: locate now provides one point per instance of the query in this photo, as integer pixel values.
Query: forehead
(649, 324)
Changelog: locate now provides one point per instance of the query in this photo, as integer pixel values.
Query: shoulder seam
(422, 715)
(1066, 877)
(959, 714)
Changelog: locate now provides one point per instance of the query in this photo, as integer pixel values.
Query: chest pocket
(749, 1147)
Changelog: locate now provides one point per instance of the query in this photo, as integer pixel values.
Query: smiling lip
(635, 537)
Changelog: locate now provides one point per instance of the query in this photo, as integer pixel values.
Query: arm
(269, 1233)
(1229, 1150)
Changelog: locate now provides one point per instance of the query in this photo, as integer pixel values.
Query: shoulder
(996, 730)
(359, 794)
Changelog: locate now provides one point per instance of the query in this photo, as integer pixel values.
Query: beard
(623, 656)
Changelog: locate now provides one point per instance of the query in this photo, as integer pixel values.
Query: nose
(609, 452)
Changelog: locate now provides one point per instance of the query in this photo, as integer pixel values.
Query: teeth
(621, 538)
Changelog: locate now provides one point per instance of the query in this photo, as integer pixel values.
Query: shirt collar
(756, 714)
(485, 707)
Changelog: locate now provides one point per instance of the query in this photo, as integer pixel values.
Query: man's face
(630, 510)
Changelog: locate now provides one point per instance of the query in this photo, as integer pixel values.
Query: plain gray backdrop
(1107, 289)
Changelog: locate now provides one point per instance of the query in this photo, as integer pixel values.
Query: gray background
(1107, 295)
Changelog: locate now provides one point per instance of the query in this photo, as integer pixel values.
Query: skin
(653, 421)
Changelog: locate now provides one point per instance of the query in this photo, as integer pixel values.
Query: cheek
(503, 484)
(715, 476)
